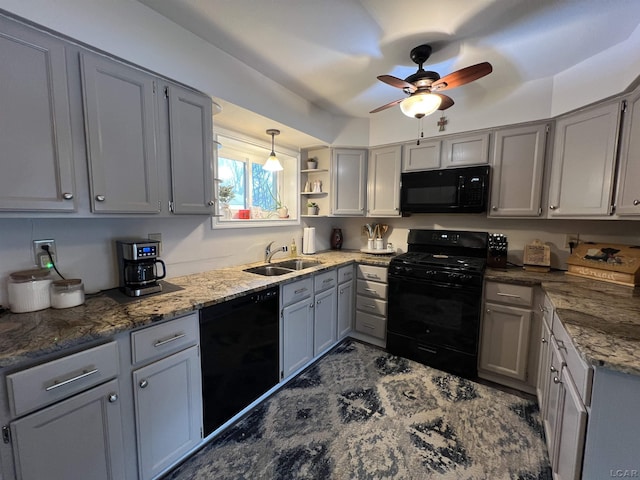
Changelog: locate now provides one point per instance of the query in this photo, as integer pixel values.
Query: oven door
(444, 315)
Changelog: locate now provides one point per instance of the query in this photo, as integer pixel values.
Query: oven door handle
(428, 350)
(402, 279)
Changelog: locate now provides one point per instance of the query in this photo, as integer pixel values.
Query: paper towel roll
(309, 240)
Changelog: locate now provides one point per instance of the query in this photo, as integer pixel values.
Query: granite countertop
(29, 336)
(602, 319)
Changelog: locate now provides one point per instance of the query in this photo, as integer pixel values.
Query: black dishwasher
(239, 343)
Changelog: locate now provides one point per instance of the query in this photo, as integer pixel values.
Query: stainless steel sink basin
(298, 264)
(269, 270)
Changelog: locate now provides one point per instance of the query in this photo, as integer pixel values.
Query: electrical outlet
(40, 256)
(571, 237)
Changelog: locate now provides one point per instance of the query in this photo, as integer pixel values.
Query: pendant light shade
(272, 164)
(420, 104)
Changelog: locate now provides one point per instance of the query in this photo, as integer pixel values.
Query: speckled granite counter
(28, 336)
(603, 319)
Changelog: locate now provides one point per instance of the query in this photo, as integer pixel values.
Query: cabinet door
(348, 180)
(383, 182)
(425, 156)
(191, 139)
(80, 437)
(504, 346)
(465, 150)
(168, 406)
(297, 330)
(518, 165)
(35, 127)
(572, 423)
(120, 123)
(542, 384)
(628, 201)
(583, 159)
(346, 295)
(325, 323)
(554, 397)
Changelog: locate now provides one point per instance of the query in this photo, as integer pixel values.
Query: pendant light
(420, 104)
(272, 164)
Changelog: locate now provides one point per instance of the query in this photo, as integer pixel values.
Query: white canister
(379, 244)
(67, 293)
(29, 290)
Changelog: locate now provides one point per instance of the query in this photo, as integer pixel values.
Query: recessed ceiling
(330, 52)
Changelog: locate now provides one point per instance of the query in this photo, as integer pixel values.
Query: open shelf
(313, 170)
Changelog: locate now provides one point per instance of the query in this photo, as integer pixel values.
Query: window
(250, 195)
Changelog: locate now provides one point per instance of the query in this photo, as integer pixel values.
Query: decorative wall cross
(442, 122)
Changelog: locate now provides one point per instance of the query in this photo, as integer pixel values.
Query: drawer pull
(428, 350)
(327, 280)
(113, 398)
(300, 290)
(510, 295)
(143, 383)
(544, 340)
(561, 345)
(370, 306)
(373, 275)
(84, 374)
(366, 325)
(556, 380)
(553, 369)
(160, 343)
(370, 290)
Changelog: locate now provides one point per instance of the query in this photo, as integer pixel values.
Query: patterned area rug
(360, 413)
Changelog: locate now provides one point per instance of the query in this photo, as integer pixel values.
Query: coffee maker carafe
(137, 264)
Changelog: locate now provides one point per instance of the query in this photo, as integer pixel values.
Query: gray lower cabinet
(297, 325)
(77, 438)
(120, 134)
(35, 125)
(348, 181)
(346, 300)
(190, 132)
(325, 325)
(517, 170)
(167, 393)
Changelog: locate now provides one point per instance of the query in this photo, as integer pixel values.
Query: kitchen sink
(269, 270)
(298, 264)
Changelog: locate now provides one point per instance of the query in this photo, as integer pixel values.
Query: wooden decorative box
(607, 262)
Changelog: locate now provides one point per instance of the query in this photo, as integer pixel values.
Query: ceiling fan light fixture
(419, 105)
(272, 164)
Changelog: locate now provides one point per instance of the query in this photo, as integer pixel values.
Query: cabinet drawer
(580, 371)
(372, 289)
(371, 325)
(508, 293)
(324, 281)
(369, 272)
(296, 291)
(371, 305)
(345, 273)
(53, 381)
(164, 338)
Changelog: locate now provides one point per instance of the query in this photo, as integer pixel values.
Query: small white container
(29, 290)
(370, 244)
(67, 293)
(379, 244)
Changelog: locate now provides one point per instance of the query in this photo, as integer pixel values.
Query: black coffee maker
(137, 265)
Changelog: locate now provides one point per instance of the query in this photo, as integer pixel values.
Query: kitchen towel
(309, 240)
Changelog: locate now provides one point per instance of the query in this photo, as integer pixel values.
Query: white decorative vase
(283, 212)
(312, 210)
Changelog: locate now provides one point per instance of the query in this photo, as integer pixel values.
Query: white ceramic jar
(29, 290)
(67, 293)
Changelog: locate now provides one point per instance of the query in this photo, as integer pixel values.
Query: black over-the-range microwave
(452, 190)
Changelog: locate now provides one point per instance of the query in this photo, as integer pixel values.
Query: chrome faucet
(268, 253)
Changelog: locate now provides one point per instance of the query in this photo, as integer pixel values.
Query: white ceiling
(330, 51)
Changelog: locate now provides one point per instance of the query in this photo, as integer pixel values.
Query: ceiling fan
(422, 85)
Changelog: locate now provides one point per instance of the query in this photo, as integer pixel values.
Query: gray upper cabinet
(348, 181)
(517, 170)
(582, 169)
(383, 184)
(191, 135)
(35, 126)
(628, 202)
(468, 149)
(120, 133)
(423, 156)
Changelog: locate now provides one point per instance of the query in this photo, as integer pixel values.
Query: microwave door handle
(461, 182)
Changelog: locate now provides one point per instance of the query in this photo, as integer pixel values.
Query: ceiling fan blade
(388, 105)
(462, 76)
(397, 82)
(447, 102)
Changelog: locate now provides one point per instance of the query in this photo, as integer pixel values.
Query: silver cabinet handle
(211, 203)
(494, 208)
(327, 280)
(370, 306)
(544, 340)
(300, 290)
(552, 207)
(372, 275)
(636, 202)
(160, 343)
(84, 374)
(556, 380)
(113, 397)
(67, 196)
(143, 383)
(370, 290)
(553, 369)
(510, 295)
(341, 291)
(100, 198)
(311, 305)
(318, 302)
(488, 311)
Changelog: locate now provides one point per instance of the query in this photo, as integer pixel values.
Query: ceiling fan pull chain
(420, 130)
